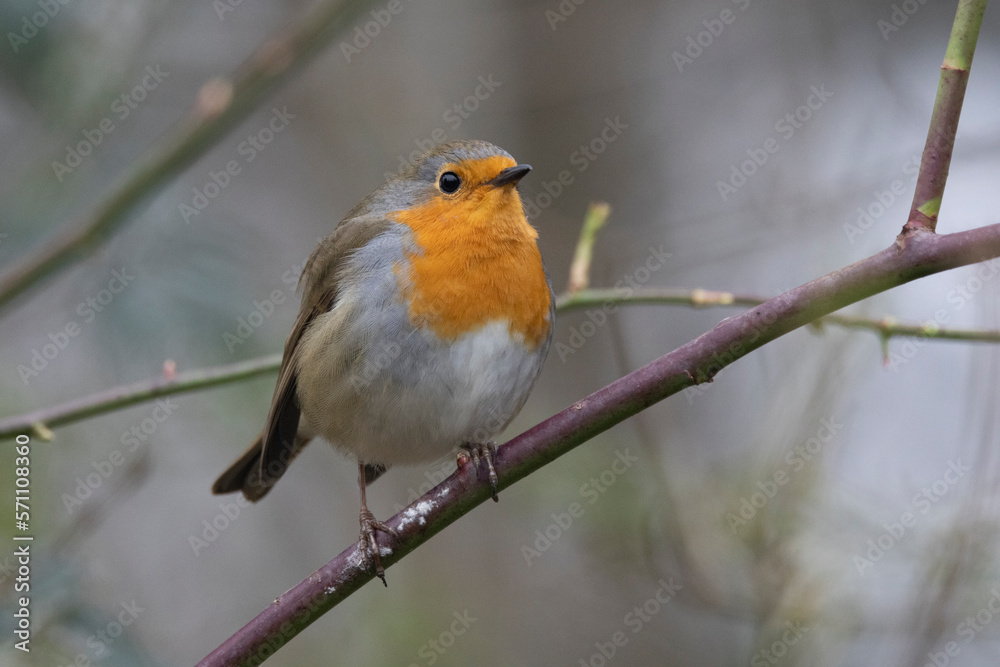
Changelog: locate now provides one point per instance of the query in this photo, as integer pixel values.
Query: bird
(425, 319)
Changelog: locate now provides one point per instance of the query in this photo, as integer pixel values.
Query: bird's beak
(510, 175)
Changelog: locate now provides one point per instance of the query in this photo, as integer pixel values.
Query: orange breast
(477, 262)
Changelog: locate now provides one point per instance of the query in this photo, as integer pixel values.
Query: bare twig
(116, 398)
(936, 159)
(579, 270)
(41, 421)
(696, 362)
(886, 327)
(220, 106)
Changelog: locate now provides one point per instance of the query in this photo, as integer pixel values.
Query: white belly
(408, 398)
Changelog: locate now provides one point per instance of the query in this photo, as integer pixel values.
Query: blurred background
(823, 502)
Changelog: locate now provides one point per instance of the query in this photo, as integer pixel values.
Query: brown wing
(256, 471)
(268, 458)
(278, 441)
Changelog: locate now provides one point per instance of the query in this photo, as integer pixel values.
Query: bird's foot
(487, 451)
(368, 544)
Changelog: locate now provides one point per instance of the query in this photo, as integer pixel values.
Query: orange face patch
(478, 260)
(477, 172)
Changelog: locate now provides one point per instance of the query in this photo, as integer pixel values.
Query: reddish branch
(696, 362)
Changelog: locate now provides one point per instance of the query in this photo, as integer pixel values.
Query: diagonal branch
(221, 105)
(696, 362)
(936, 158)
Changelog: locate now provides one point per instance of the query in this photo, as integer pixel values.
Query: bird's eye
(449, 182)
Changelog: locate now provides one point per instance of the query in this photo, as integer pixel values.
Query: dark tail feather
(237, 475)
(245, 474)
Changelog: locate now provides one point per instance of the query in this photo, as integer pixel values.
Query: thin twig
(696, 362)
(936, 158)
(886, 327)
(117, 398)
(579, 270)
(220, 106)
(41, 421)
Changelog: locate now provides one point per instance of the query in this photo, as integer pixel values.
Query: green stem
(116, 398)
(579, 270)
(886, 327)
(940, 142)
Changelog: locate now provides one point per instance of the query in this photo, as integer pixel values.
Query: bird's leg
(488, 451)
(368, 545)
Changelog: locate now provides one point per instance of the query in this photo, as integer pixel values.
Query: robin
(425, 318)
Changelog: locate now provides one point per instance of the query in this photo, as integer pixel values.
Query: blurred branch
(698, 298)
(886, 327)
(936, 159)
(220, 106)
(117, 398)
(696, 362)
(41, 421)
(579, 270)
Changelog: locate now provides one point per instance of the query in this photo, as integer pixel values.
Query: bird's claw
(368, 544)
(487, 451)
